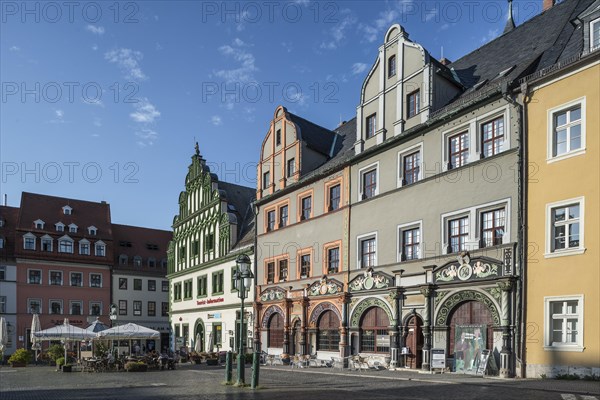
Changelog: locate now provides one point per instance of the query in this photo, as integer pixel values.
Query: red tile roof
(144, 242)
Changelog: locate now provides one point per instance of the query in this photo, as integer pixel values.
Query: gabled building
(214, 225)
(64, 254)
(428, 222)
(140, 286)
(563, 278)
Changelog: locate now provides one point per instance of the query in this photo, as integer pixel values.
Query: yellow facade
(563, 285)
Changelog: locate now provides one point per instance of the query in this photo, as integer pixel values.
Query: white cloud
(374, 31)
(338, 32)
(358, 68)
(145, 112)
(444, 27)
(128, 60)
(216, 120)
(246, 60)
(147, 137)
(95, 47)
(93, 102)
(287, 46)
(96, 30)
(14, 48)
(59, 117)
(491, 35)
(97, 122)
(59, 113)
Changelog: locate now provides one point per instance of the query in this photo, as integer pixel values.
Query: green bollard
(255, 369)
(228, 367)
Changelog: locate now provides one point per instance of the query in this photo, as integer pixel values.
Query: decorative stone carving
(466, 270)
(365, 305)
(325, 287)
(462, 296)
(438, 297)
(319, 309)
(272, 294)
(508, 262)
(370, 280)
(267, 315)
(494, 292)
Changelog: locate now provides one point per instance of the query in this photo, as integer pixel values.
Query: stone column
(257, 327)
(428, 293)
(303, 326)
(505, 353)
(286, 326)
(344, 331)
(396, 296)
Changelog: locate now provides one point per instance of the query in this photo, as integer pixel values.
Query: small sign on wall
(438, 359)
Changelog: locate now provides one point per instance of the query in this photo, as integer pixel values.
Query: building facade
(8, 275)
(140, 287)
(401, 232)
(563, 278)
(64, 253)
(214, 225)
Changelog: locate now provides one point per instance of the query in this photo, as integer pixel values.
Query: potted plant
(67, 368)
(19, 358)
(55, 352)
(136, 366)
(195, 357)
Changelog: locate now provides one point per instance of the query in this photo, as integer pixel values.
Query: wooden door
(414, 341)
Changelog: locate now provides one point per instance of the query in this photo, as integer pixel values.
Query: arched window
(275, 331)
(374, 334)
(123, 259)
(328, 335)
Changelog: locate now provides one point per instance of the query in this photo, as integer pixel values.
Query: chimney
(444, 61)
(548, 4)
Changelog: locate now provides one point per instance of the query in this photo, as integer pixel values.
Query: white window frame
(84, 241)
(592, 23)
(60, 301)
(548, 346)
(71, 302)
(403, 153)
(91, 303)
(487, 118)
(47, 238)
(29, 300)
(73, 228)
(41, 276)
(40, 223)
(549, 228)
(550, 128)
(3, 303)
(62, 277)
(2, 273)
(66, 238)
(67, 210)
(359, 240)
(1, 242)
(59, 226)
(97, 245)
(361, 172)
(474, 214)
(71, 283)
(29, 235)
(135, 312)
(400, 239)
(92, 230)
(90, 280)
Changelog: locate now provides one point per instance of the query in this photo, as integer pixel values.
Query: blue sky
(103, 100)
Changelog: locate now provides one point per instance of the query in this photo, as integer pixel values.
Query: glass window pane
(574, 212)
(575, 114)
(572, 307)
(557, 307)
(559, 214)
(560, 118)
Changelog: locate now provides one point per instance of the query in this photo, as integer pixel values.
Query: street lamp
(242, 279)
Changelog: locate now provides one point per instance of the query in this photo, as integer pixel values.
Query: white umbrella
(64, 332)
(97, 326)
(210, 343)
(128, 331)
(35, 327)
(198, 344)
(3, 333)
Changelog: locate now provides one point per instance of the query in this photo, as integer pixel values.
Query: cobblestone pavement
(202, 382)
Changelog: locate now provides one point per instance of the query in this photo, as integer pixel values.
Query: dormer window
(39, 224)
(595, 35)
(67, 210)
(100, 248)
(123, 259)
(92, 230)
(84, 247)
(137, 261)
(29, 241)
(65, 245)
(60, 227)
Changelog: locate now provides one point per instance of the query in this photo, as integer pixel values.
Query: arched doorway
(374, 333)
(296, 336)
(414, 342)
(275, 331)
(328, 332)
(199, 336)
(471, 331)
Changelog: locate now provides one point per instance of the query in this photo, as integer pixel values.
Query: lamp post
(243, 279)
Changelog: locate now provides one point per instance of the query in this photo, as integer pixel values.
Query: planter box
(18, 364)
(67, 368)
(212, 361)
(197, 361)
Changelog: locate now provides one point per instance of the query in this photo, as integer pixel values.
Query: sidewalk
(551, 385)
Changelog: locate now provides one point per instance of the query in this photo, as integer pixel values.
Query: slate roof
(241, 197)
(138, 239)
(10, 216)
(316, 137)
(533, 45)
